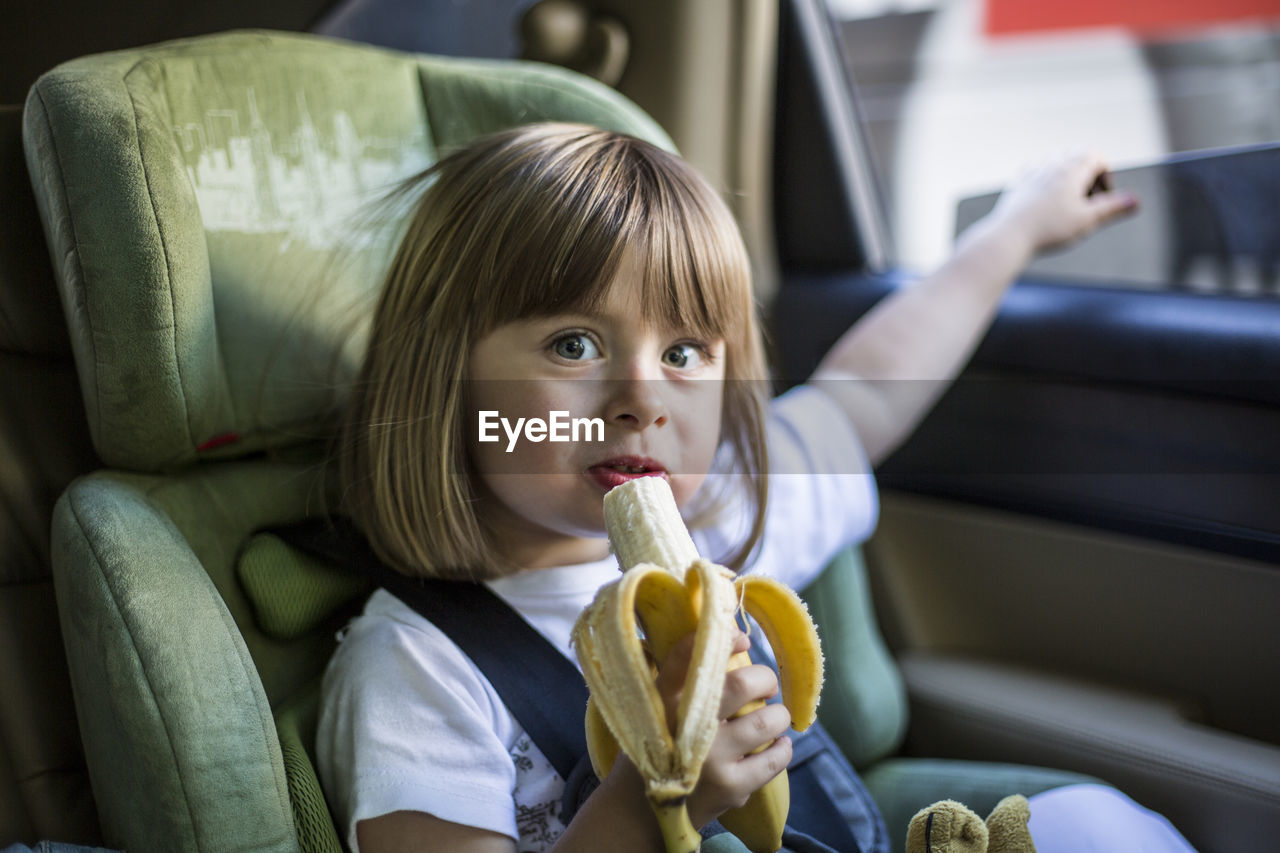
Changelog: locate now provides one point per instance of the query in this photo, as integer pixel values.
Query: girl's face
(656, 393)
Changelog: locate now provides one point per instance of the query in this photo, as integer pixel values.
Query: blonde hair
(528, 222)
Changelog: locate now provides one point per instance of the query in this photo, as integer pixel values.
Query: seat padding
(864, 702)
(174, 686)
(292, 593)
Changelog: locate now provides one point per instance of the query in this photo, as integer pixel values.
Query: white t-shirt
(408, 723)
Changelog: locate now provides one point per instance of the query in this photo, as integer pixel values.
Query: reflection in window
(1210, 223)
(958, 95)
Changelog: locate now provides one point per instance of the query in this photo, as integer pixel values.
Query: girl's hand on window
(733, 770)
(1058, 203)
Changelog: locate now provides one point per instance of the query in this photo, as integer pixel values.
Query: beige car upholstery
(1221, 785)
(1151, 666)
(706, 72)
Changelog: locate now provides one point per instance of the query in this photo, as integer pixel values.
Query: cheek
(699, 438)
(703, 446)
(509, 402)
(708, 415)
(531, 398)
(510, 398)
(524, 457)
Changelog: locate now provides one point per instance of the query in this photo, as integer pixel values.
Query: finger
(1109, 205)
(753, 771)
(751, 731)
(741, 643)
(672, 669)
(729, 779)
(1089, 172)
(1101, 184)
(754, 683)
(671, 676)
(1091, 162)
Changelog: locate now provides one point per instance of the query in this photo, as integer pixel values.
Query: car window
(958, 95)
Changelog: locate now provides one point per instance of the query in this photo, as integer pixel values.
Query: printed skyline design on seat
(308, 182)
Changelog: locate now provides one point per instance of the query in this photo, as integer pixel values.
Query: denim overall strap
(828, 800)
(831, 809)
(543, 690)
(825, 816)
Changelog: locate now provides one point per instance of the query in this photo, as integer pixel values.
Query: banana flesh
(667, 591)
(645, 526)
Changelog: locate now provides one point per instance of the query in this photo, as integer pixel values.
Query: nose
(636, 401)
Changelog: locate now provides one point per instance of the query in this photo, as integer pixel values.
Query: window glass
(959, 95)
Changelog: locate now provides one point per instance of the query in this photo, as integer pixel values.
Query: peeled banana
(667, 591)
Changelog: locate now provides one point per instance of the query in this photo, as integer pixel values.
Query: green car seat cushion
(296, 726)
(292, 593)
(175, 720)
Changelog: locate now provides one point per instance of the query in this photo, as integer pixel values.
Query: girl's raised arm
(890, 367)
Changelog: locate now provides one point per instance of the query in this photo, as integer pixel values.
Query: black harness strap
(548, 696)
(540, 687)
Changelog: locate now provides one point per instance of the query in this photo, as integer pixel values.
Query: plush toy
(950, 827)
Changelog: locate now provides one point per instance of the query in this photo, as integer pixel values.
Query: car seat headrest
(199, 199)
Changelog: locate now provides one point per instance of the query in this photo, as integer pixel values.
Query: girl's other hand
(733, 770)
(1058, 203)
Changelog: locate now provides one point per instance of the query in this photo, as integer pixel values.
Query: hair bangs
(569, 221)
(695, 272)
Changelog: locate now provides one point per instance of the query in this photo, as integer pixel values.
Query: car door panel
(1078, 557)
(1076, 562)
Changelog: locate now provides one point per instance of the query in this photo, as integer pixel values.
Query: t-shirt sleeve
(407, 725)
(822, 493)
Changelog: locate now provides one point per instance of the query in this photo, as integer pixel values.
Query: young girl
(561, 269)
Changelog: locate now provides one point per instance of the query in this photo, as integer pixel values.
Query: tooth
(671, 591)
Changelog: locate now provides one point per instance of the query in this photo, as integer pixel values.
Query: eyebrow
(595, 315)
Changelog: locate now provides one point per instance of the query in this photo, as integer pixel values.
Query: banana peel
(667, 591)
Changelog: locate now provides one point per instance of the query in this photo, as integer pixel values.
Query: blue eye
(575, 347)
(682, 356)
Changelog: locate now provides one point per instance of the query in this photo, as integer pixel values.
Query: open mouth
(630, 469)
(615, 472)
(633, 465)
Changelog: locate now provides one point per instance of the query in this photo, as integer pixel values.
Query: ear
(946, 827)
(1007, 826)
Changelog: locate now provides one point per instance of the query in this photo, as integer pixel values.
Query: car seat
(208, 206)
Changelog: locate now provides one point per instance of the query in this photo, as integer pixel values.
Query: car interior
(1075, 572)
